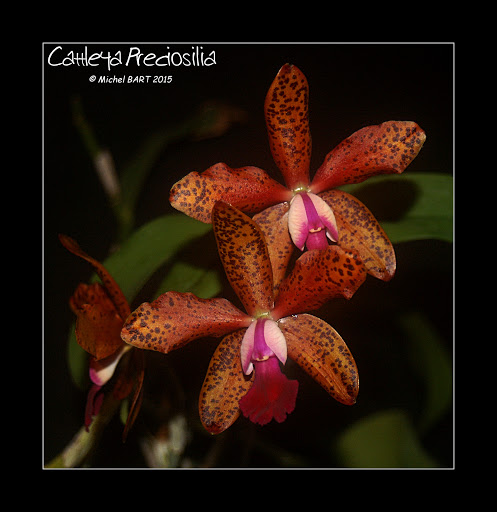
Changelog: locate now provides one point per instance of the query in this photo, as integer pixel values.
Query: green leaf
(186, 277)
(432, 363)
(385, 439)
(423, 204)
(77, 361)
(149, 248)
(136, 172)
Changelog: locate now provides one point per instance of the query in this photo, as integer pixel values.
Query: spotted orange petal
(317, 277)
(174, 319)
(386, 148)
(244, 254)
(358, 230)
(273, 222)
(224, 385)
(321, 352)
(112, 288)
(98, 324)
(287, 120)
(249, 189)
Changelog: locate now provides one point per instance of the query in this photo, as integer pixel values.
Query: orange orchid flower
(100, 310)
(307, 212)
(244, 373)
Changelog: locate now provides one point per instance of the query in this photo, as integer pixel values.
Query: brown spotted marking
(359, 231)
(287, 120)
(317, 277)
(244, 254)
(386, 148)
(317, 348)
(224, 385)
(174, 319)
(249, 189)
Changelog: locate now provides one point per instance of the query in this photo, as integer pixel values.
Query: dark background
(351, 86)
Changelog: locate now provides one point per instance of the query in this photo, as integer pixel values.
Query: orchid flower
(307, 212)
(100, 311)
(244, 373)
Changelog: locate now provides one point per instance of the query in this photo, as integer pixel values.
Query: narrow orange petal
(358, 230)
(273, 222)
(249, 189)
(112, 288)
(321, 352)
(287, 120)
(317, 277)
(244, 254)
(224, 385)
(174, 319)
(386, 148)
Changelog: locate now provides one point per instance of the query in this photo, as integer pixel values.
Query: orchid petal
(317, 348)
(317, 277)
(111, 287)
(287, 120)
(249, 189)
(223, 386)
(244, 254)
(273, 222)
(386, 148)
(272, 395)
(361, 232)
(174, 319)
(98, 324)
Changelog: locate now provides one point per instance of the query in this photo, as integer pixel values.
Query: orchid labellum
(307, 212)
(244, 373)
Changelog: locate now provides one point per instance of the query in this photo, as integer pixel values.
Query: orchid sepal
(287, 119)
(387, 148)
(249, 189)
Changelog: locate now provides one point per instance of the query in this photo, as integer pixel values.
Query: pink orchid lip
(311, 221)
(262, 340)
(272, 395)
